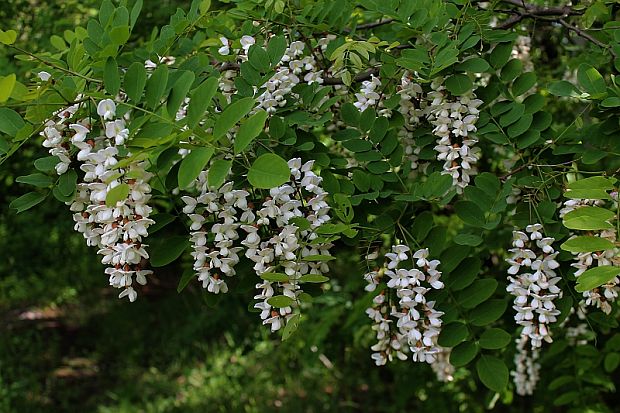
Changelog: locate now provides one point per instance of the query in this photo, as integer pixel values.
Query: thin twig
(586, 36)
(371, 25)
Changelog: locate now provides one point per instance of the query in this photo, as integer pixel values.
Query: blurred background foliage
(67, 345)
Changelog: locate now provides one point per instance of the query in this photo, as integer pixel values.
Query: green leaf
(587, 243)
(258, 58)
(276, 48)
(38, 180)
(193, 164)
(274, 277)
(46, 164)
(514, 114)
(8, 37)
(591, 80)
(280, 301)
(179, 91)
(187, 276)
(488, 312)
(469, 213)
(156, 86)
(474, 65)
(201, 99)
(463, 354)
(500, 55)
(478, 292)
(313, 278)
(291, 326)
(493, 373)
(67, 183)
(27, 201)
(249, 130)
(459, 84)
(595, 182)
(494, 339)
(612, 360)
(218, 171)
(563, 88)
(349, 114)
(595, 277)
(135, 12)
(468, 239)
(464, 273)
(511, 70)
(161, 220)
(268, 171)
(10, 122)
(587, 194)
(111, 78)
(134, 81)
(7, 83)
(231, 115)
(453, 334)
(521, 126)
(166, 250)
(588, 218)
(118, 193)
(523, 83)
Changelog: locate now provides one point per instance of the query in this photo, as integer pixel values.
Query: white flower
(106, 109)
(247, 42)
(44, 76)
(225, 49)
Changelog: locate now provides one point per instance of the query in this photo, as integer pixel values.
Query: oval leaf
(193, 164)
(268, 171)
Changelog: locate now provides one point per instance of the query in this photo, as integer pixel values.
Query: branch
(586, 36)
(531, 11)
(360, 77)
(371, 25)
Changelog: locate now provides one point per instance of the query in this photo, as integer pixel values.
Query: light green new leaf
(249, 130)
(291, 326)
(193, 164)
(7, 83)
(8, 37)
(280, 301)
(595, 277)
(268, 171)
(587, 244)
(274, 277)
(595, 182)
(118, 193)
(588, 218)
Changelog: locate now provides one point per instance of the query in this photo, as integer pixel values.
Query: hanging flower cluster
(291, 249)
(533, 283)
(116, 230)
(404, 320)
(56, 133)
(216, 215)
(454, 120)
(527, 372)
(224, 222)
(600, 297)
(295, 67)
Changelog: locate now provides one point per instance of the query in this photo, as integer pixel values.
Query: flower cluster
(404, 321)
(533, 282)
(216, 215)
(293, 250)
(600, 297)
(118, 229)
(57, 131)
(294, 67)
(527, 372)
(225, 223)
(454, 120)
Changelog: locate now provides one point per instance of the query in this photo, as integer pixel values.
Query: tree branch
(586, 36)
(360, 77)
(371, 25)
